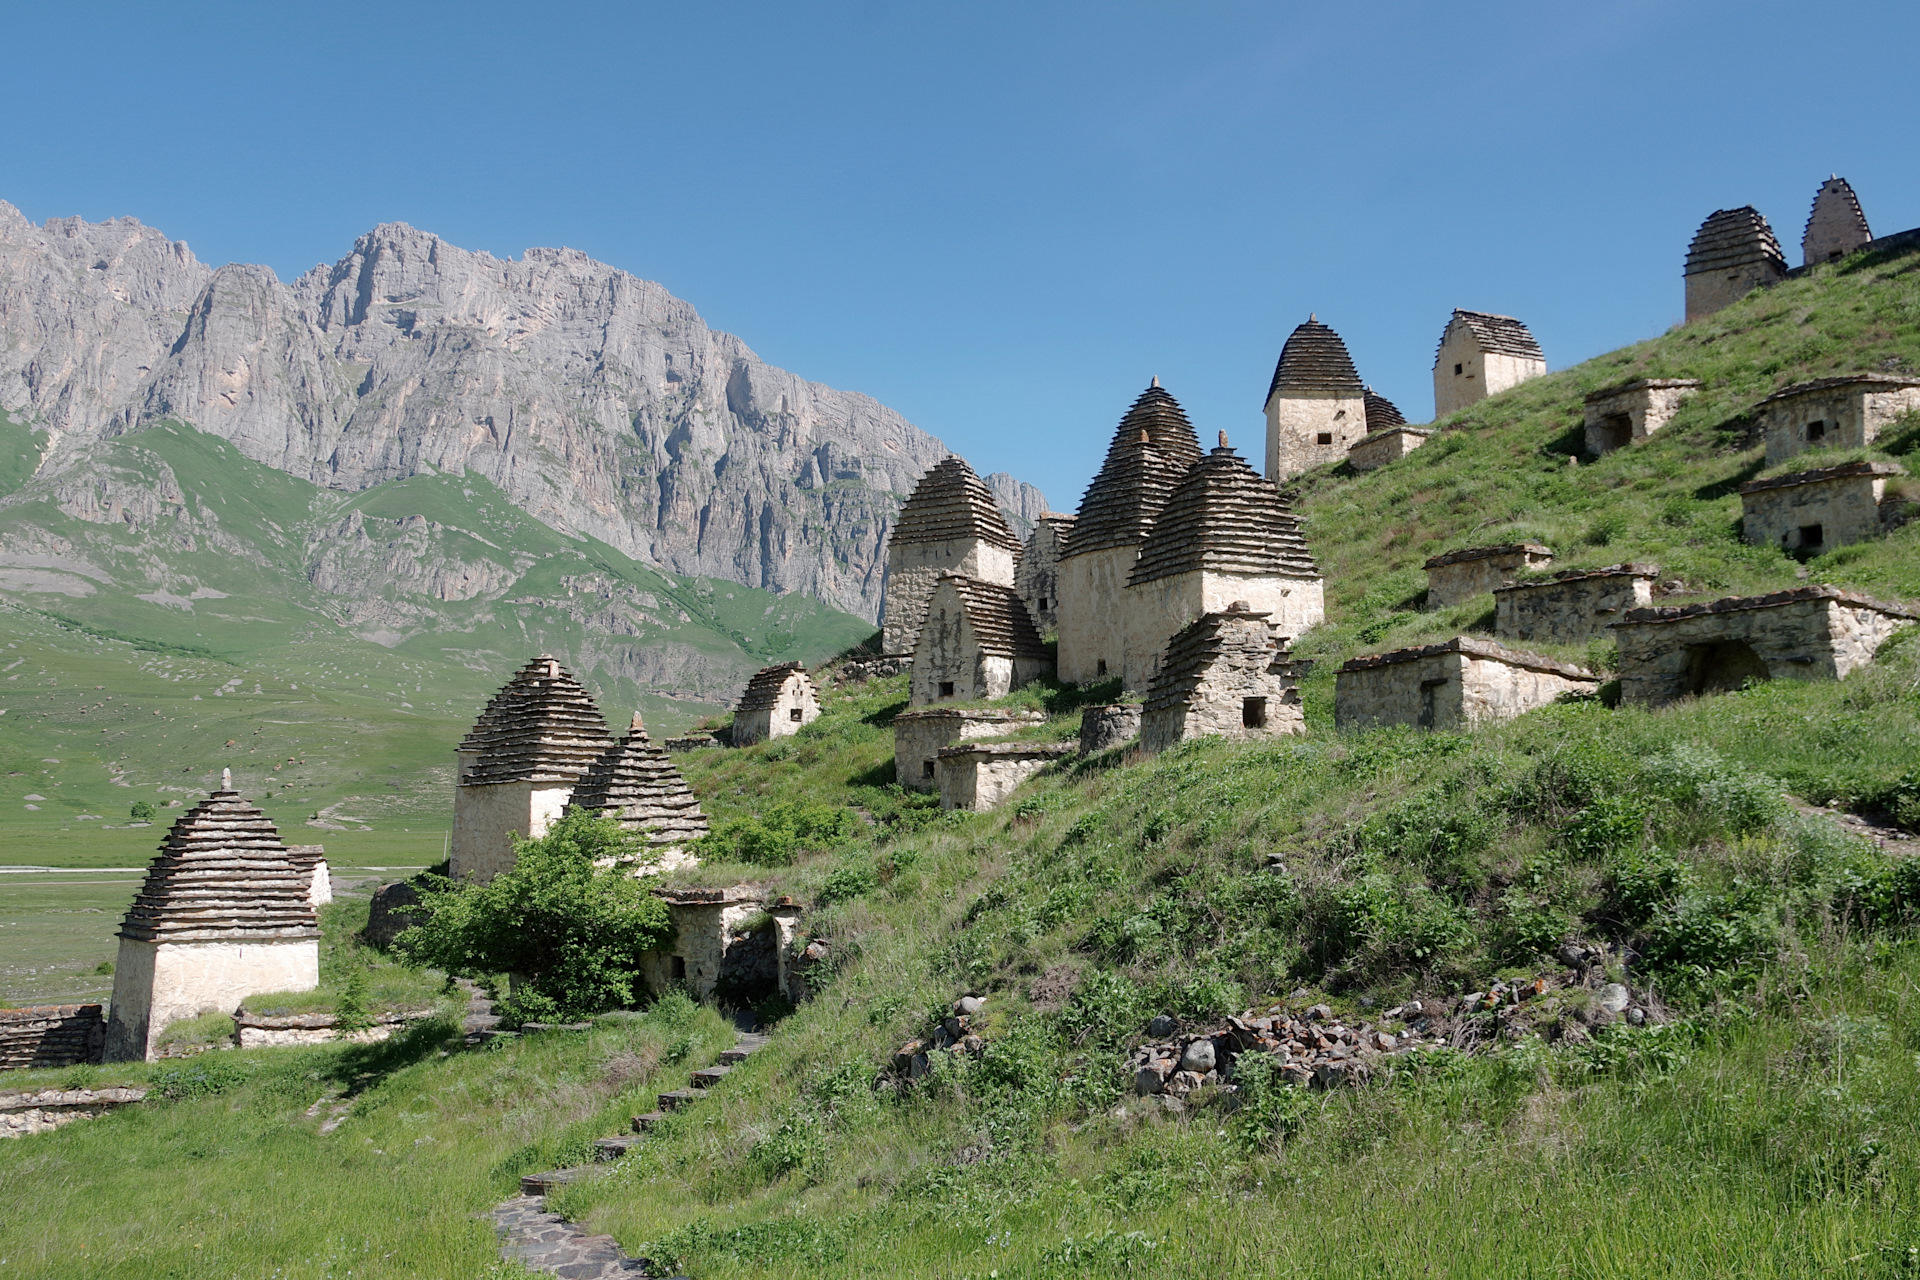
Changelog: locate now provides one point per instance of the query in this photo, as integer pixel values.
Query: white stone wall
(700, 943)
(919, 735)
(1218, 708)
(1039, 577)
(1662, 662)
(1846, 509)
(978, 781)
(1451, 584)
(320, 892)
(485, 817)
(1482, 373)
(1645, 410)
(1568, 611)
(1296, 423)
(1093, 614)
(1156, 611)
(1851, 417)
(914, 568)
(1382, 447)
(1711, 291)
(1447, 691)
(793, 709)
(155, 984)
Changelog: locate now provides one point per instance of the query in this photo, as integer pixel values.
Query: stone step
(674, 1099)
(643, 1123)
(539, 1184)
(735, 1055)
(614, 1148)
(707, 1077)
(556, 1026)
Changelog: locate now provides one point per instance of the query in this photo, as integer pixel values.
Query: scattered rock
(1614, 998)
(1162, 1026)
(1199, 1056)
(968, 1006)
(395, 907)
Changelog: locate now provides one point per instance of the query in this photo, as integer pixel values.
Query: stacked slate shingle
(1382, 413)
(763, 691)
(222, 875)
(1836, 225)
(1236, 638)
(635, 782)
(1732, 238)
(540, 727)
(1224, 517)
(952, 503)
(1152, 448)
(1314, 359)
(1500, 335)
(1001, 624)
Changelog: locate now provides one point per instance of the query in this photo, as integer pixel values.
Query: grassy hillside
(1760, 1123)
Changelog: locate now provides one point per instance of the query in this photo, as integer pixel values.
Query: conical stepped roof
(1236, 636)
(951, 502)
(763, 691)
(1835, 224)
(540, 727)
(1733, 238)
(1382, 413)
(1151, 450)
(635, 782)
(1224, 517)
(223, 874)
(1314, 359)
(1001, 623)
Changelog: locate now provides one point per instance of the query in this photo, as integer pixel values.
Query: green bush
(777, 836)
(142, 811)
(572, 933)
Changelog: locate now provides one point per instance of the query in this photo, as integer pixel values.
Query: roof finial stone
(226, 779)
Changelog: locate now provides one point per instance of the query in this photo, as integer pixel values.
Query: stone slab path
(543, 1241)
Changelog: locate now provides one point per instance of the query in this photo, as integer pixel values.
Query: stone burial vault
(977, 776)
(919, 735)
(1811, 512)
(635, 783)
(738, 939)
(778, 702)
(1573, 606)
(1457, 576)
(224, 914)
(1809, 633)
(1481, 355)
(1458, 684)
(1833, 413)
(1618, 416)
(948, 524)
(1733, 253)
(1038, 580)
(1227, 674)
(976, 641)
(1316, 405)
(1388, 436)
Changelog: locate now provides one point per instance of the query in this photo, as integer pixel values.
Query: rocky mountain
(600, 404)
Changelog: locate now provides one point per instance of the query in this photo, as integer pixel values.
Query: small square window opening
(946, 688)
(926, 768)
(1325, 437)
(794, 715)
(1812, 535)
(1253, 713)
(1100, 667)
(1457, 370)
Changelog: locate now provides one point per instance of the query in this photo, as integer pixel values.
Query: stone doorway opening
(1614, 431)
(1253, 713)
(1724, 667)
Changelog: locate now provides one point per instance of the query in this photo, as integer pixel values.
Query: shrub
(777, 836)
(571, 932)
(202, 1078)
(142, 811)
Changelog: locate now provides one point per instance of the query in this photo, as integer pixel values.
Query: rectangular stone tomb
(51, 1035)
(1105, 727)
(1571, 607)
(1381, 447)
(919, 735)
(1815, 511)
(978, 776)
(1618, 416)
(1459, 684)
(1808, 633)
(1833, 413)
(735, 935)
(1461, 575)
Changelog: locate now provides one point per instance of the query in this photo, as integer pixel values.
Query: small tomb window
(679, 968)
(1325, 437)
(1100, 667)
(1041, 604)
(1253, 713)
(1457, 370)
(926, 768)
(794, 715)
(1817, 430)
(946, 688)
(1812, 535)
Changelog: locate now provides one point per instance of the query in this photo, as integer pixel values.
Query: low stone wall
(1107, 727)
(1809, 633)
(1461, 575)
(1815, 511)
(979, 776)
(918, 737)
(1456, 685)
(1379, 448)
(1572, 607)
(51, 1035)
(25, 1113)
(257, 1031)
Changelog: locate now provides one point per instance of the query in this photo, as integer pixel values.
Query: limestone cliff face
(599, 402)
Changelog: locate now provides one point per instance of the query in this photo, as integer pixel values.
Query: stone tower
(635, 782)
(223, 914)
(1152, 448)
(1732, 254)
(1836, 227)
(1482, 355)
(1039, 580)
(519, 765)
(1224, 535)
(949, 524)
(1316, 404)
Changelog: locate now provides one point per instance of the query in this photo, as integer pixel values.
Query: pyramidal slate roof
(1001, 624)
(635, 782)
(1237, 635)
(540, 727)
(1314, 359)
(951, 502)
(1843, 224)
(1224, 517)
(1382, 413)
(1497, 335)
(223, 874)
(1733, 238)
(764, 689)
(1152, 448)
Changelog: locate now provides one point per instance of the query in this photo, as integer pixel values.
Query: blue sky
(1000, 219)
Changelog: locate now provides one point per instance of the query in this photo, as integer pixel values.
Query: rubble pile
(954, 1035)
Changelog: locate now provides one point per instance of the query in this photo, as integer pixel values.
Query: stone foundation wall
(1572, 608)
(1218, 707)
(158, 984)
(1811, 633)
(251, 1031)
(1296, 421)
(703, 930)
(1451, 686)
(1816, 510)
(979, 777)
(1382, 447)
(1852, 416)
(45, 1109)
(1461, 575)
(1156, 611)
(1104, 728)
(918, 737)
(1711, 291)
(51, 1035)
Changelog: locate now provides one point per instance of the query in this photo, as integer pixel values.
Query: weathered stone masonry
(919, 735)
(1458, 576)
(1618, 416)
(1316, 405)
(1480, 355)
(976, 641)
(1039, 577)
(1456, 685)
(1815, 511)
(779, 701)
(1571, 607)
(1227, 674)
(51, 1035)
(634, 782)
(978, 776)
(1733, 253)
(949, 524)
(1833, 413)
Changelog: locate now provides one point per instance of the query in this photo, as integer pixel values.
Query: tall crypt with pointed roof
(1481, 355)
(223, 914)
(1732, 254)
(949, 524)
(635, 783)
(1225, 535)
(1316, 405)
(1151, 450)
(1836, 226)
(519, 765)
